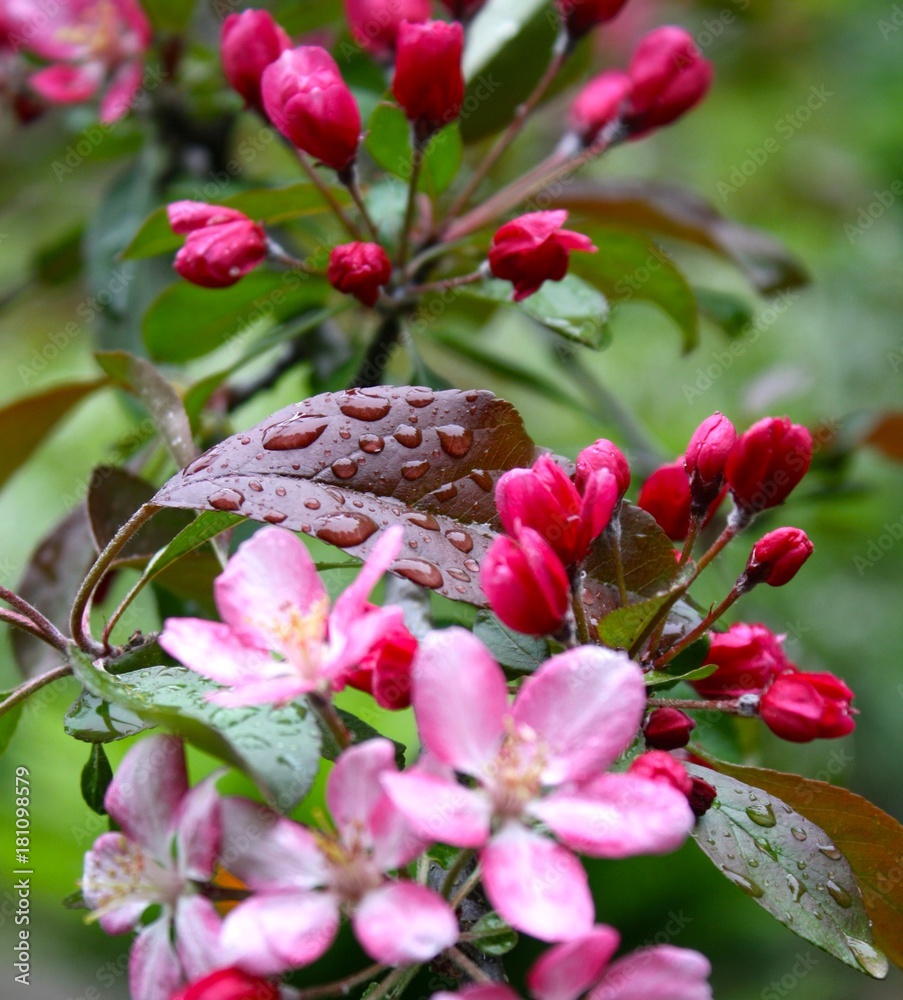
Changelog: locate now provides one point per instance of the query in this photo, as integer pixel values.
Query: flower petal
(460, 699)
(618, 816)
(217, 651)
(567, 970)
(350, 642)
(198, 926)
(662, 973)
(354, 790)
(199, 831)
(122, 89)
(270, 934)
(155, 971)
(403, 923)
(536, 885)
(586, 706)
(66, 84)
(114, 881)
(352, 603)
(440, 809)
(478, 991)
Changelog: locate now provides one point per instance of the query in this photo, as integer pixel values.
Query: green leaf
(493, 936)
(8, 722)
(523, 653)
(389, 143)
(647, 555)
(729, 312)
(26, 422)
(278, 748)
(169, 15)
(623, 627)
(205, 526)
(60, 261)
(93, 720)
(186, 322)
(629, 267)
(789, 866)
(266, 205)
(359, 731)
(96, 777)
(443, 855)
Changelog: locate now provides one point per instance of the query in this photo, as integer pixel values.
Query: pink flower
(748, 657)
(272, 600)
(91, 45)
(540, 760)
(223, 244)
(170, 839)
(359, 269)
(599, 104)
(429, 83)
(567, 971)
(250, 41)
(532, 249)
(230, 984)
(767, 462)
(581, 16)
(777, 557)
(603, 455)
(302, 880)
(375, 23)
(802, 707)
(666, 496)
(705, 459)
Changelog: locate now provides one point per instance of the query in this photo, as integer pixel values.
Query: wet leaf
(95, 779)
(523, 653)
(389, 143)
(343, 466)
(646, 554)
(359, 731)
(789, 866)
(623, 627)
(93, 720)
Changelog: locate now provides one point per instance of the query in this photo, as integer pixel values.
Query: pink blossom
(303, 879)
(170, 839)
(539, 760)
(272, 600)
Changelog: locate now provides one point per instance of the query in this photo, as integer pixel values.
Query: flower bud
(229, 984)
(374, 23)
(599, 104)
(359, 269)
(777, 557)
(668, 729)
(701, 797)
(461, 10)
(526, 584)
(766, 463)
(603, 454)
(385, 671)
(306, 98)
(668, 77)
(250, 41)
(666, 496)
(705, 459)
(656, 765)
(802, 707)
(534, 248)
(429, 83)
(581, 16)
(748, 658)
(223, 245)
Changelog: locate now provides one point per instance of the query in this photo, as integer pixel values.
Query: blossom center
(127, 874)
(301, 637)
(517, 770)
(98, 32)
(352, 868)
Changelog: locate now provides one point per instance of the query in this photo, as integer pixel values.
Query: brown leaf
(343, 466)
(646, 554)
(886, 435)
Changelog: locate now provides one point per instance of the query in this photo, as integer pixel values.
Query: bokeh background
(801, 136)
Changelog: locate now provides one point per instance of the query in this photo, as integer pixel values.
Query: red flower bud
(777, 557)
(666, 496)
(668, 729)
(603, 454)
(526, 584)
(668, 77)
(767, 462)
(306, 98)
(428, 82)
(229, 984)
(803, 707)
(375, 23)
(599, 104)
(385, 672)
(748, 657)
(250, 41)
(656, 765)
(706, 457)
(463, 9)
(222, 245)
(581, 16)
(534, 248)
(359, 269)
(701, 797)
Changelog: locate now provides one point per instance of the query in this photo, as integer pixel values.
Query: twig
(46, 630)
(468, 967)
(349, 179)
(27, 689)
(341, 986)
(326, 710)
(416, 167)
(329, 197)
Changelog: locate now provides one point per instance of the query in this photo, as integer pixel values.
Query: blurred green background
(833, 354)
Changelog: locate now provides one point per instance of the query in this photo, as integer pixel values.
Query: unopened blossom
(777, 557)
(169, 839)
(748, 658)
(599, 104)
(272, 600)
(705, 460)
(223, 244)
(539, 767)
(303, 880)
(581, 16)
(230, 984)
(801, 707)
(767, 462)
(375, 23)
(429, 81)
(668, 729)
(666, 496)
(603, 455)
(359, 269)
(249, 42)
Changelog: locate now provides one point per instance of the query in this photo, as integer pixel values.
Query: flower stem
(468, 967)
(696, 705)
(395, 983)
(27, 689)
(583, 635)
(726, 536)
(328, 196)
(687, 550)
(331, 719)
(378, 354)
(349, 179)
(341, 986)
(460, 863)
(416, 166)
(466, 889)
(700, 629)
(447, 285)
(41, 627)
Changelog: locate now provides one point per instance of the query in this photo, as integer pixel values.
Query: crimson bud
(802, 707)
(581, 16)
(701, 797)
(666, 496)
(705, 459)
(359, 269)
(385, 672)
(603, 454)
(375, 23)
(222, 246)
(668, 729)
(766, 463)
(229, 984)
(748, 658)
(250, 41)
(429, 83)
(463, 9)
(777, 557)
(656, 765)
(599, 104)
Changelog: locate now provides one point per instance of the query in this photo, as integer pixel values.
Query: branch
(27, 689)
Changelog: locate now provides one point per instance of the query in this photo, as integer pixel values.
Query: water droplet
(472, 565)
(372, 444)
(360, 406)
(426, 521)
(414, 470)
(482, 479)
(747, 885)
(204, 462)
(419, 571)
(458, 574)
(766, 848)
(345, 435)
(298, 432)
(344, 468)
(226, 500)
(419, 397)
(274, 516)
(455, 440)
(461, 540)
(312, 504)
(761, 815)
(336, 495)
(245, 440)
(346, 530)
(408, 436)
(830, 851)
(472, 397)
(358, 503)
(280, 491)
(797, 889)
(798, 833)
(446, 493)
(752, 862)
(869, 958)
(839, 894)
(752, 798)
(256, 486)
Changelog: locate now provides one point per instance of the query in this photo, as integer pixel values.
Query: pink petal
(662, 973)
(351, 641)
(460, 699)
(441, 809)
(536, 885)
(567, 970)
(586, 706)
(352, 603)
(66, 84)
(395, 841)
(155, 971)
(270, 934)
(217, 651)
(354, 790)
(403, 923)
(479, 992)
(113, 880)
(198, 926)
(145, 795)
(199, 831)
(575, 241)
(186, 216)
(268, 583)
(267, 851)
(123, 87)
